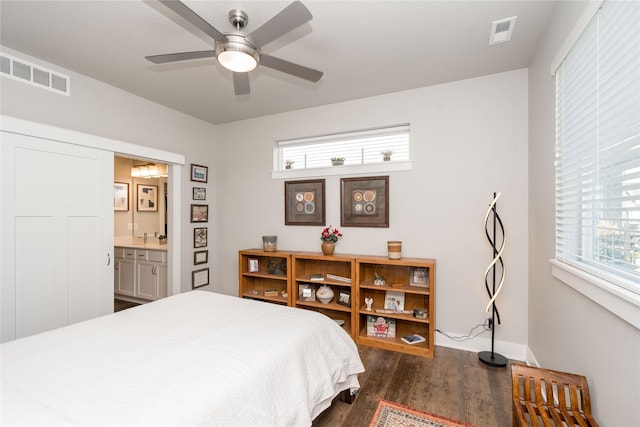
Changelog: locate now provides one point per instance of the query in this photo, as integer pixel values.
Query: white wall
(567, 331)
(99, 109)
(469, 139)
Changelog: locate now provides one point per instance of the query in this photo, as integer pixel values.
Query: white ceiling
(365, 48)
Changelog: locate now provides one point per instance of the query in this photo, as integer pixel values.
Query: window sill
(619, 301)
(343, 170)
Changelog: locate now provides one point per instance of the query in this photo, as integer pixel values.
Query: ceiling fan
(239, 52)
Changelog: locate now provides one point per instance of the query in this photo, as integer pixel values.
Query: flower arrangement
(386, 154)
(330, 235)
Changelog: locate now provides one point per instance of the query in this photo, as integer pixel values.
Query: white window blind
(357, 148)
(598, 148)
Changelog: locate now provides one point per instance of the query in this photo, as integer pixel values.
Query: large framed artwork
(120, 196)
(304, 202)
(147, 198)
(364, 202)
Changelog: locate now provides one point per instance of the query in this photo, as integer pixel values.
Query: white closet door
(56, 232)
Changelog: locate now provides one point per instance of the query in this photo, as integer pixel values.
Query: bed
(196, 358)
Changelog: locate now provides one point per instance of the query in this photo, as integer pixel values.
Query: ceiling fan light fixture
(236, 54)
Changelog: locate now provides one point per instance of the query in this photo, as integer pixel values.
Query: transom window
(362, 147)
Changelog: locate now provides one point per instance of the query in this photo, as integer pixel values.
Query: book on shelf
(394, 301)
(413, 339)
(271, 293)
(338, 278)
(379, 326)
(316, 277)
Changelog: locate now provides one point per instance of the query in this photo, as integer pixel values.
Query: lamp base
(492, 359)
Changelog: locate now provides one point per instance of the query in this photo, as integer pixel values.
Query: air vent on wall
(501, 30)
(26, 72)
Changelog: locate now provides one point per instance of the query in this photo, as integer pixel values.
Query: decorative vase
(324, 294)
(328, 248)
(269, 243)
(394, 248)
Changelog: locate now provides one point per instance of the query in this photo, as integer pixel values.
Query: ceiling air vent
(501, 30)
(26, 72)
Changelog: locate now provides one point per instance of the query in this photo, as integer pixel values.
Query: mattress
(197, 358)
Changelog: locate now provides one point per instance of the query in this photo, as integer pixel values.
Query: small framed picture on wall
(199, 213)
(199, 193)
(199, 173)
(200, 237)
(199, 278)
(200, 257)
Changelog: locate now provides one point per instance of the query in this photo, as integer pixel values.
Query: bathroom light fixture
(149, 171)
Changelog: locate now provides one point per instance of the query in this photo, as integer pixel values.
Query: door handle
(108, 259)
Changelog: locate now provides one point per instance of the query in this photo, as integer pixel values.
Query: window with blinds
(356, 148)
(598, 148)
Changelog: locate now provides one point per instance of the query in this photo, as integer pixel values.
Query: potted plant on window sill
(337, 161)
(386, 155)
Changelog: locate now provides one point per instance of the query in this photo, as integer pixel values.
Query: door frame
(174, 160)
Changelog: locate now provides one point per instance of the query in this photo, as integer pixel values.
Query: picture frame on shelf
(199, 193)
(381, 327)
(147, 198)
(304, 202)
(394, 301)
(199, 213)
(199, 173)
(200, 257)
(344, 297)
(419, 277)
(120, 197)
(199, 278)
(253, 265)
(200, 237)
(306, 292)
(364, 202)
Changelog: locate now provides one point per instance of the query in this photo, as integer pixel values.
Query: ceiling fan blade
(180, 56)
(290, 68)
(241, 83)
(286, 20)
(193, 18)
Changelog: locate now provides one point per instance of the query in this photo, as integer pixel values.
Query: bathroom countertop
(152, 243)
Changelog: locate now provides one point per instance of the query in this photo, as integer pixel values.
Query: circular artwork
(299, 197)
(357, 208)
(300, 207)
(357, 196)
(369, 208)
(309, 208)
(369, 196)
(308, 196)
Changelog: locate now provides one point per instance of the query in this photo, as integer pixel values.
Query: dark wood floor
(454, 384)
(119, 304)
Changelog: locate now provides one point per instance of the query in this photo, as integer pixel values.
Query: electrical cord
(485, 327)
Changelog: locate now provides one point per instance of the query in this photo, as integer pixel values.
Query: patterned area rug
(391, 414)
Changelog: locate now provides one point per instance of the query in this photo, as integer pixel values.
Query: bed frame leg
(348, 395)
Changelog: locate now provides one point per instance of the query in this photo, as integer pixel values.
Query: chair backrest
(567, 394)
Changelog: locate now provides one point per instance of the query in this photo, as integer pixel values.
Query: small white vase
(324, 294)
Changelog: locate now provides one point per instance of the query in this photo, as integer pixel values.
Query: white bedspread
(197, 358)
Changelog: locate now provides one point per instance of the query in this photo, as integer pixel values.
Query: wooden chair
(542, 397)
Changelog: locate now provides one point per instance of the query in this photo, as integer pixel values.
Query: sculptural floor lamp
(491, 357)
